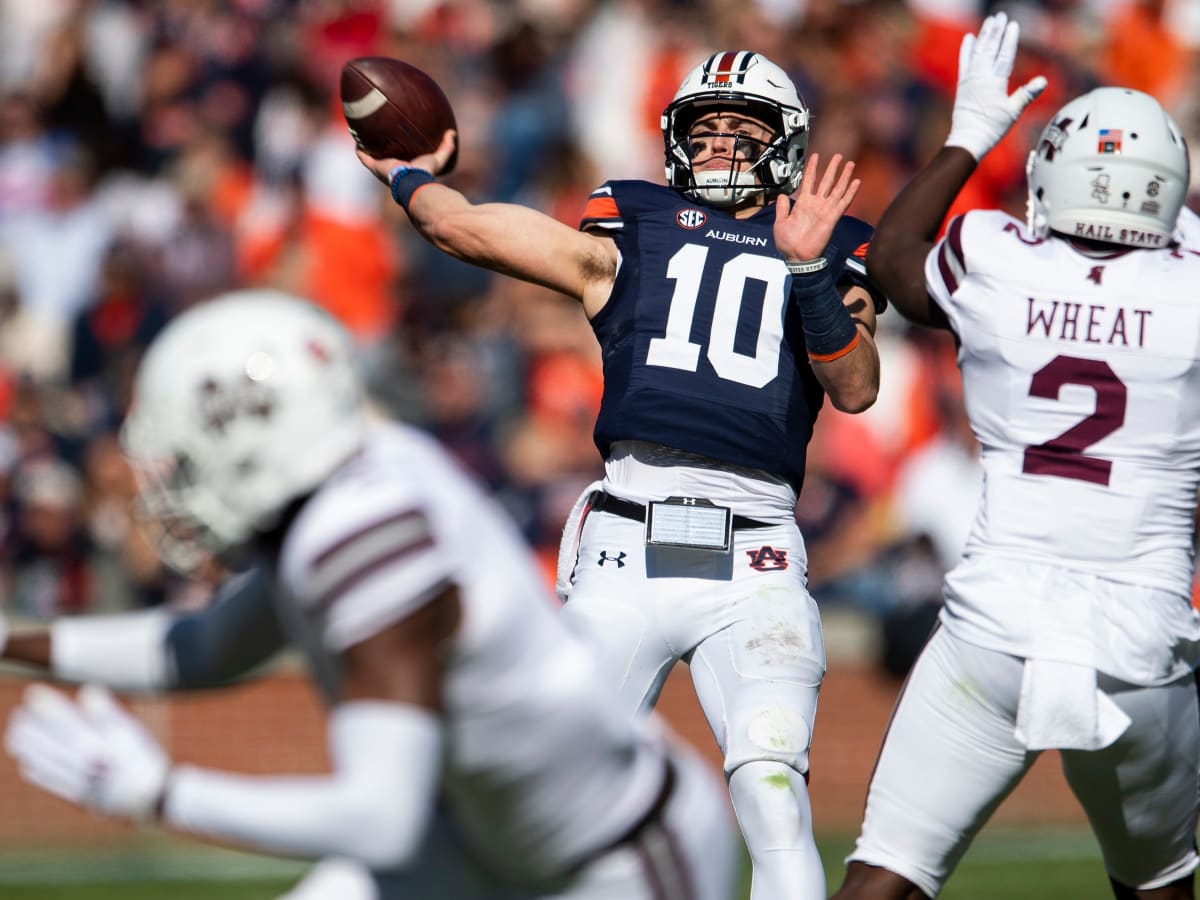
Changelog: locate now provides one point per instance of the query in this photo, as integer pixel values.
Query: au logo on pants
(767, 559)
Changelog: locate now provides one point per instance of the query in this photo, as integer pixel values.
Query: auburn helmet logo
(728, 68)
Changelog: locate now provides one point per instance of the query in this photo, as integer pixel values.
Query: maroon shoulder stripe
(954, 240)
(335, 548)
(330, 596)
(951, 264)
(365, 550)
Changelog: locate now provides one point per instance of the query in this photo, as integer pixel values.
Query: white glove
(88, 751)
(983, 108)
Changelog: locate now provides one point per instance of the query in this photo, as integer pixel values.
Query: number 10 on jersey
(676, 350)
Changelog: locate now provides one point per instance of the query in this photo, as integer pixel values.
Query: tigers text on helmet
(746, 83)
(243, 404)
(1110, 166)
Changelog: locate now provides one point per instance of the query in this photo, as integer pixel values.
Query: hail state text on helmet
(1130, 236)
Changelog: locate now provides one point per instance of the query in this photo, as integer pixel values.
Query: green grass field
(1003, 865)
(1028, 864)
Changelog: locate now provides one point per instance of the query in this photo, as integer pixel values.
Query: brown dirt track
(275, 726)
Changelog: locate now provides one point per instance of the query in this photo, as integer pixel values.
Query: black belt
(627, 509)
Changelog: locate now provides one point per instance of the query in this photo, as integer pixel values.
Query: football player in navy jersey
(728, 304)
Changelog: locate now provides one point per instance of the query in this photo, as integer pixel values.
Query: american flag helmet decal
(1108, 140)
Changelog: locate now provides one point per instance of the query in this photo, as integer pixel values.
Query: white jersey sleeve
(363, 555)
(1082, 384)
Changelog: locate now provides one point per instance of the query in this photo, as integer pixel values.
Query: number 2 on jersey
(1063, 456)
(676, 350)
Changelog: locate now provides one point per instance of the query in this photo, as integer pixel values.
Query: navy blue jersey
(702, 350)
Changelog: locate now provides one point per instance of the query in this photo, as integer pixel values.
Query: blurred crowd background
(153, 154)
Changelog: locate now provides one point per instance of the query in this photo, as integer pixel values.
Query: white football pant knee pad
(779, 734)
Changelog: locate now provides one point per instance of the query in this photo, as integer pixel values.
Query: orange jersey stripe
(601, 208)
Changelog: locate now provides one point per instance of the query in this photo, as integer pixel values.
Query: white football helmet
(243, 404)
(744, 82)
(1111, 166)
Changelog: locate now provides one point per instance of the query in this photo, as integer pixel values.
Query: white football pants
(950, 756)
(747, 625)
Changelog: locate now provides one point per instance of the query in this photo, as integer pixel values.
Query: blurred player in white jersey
(475, 751)
(1068, 623)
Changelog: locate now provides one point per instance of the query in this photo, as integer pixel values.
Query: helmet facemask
(164, 509)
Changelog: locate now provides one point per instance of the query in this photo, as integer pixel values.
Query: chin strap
(721, 191)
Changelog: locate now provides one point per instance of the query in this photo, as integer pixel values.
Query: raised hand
(433, 162)
(984, 110)
(89, 751)
(804, 222)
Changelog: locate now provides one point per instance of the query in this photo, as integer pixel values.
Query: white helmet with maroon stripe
(243, 404)
(749, 84)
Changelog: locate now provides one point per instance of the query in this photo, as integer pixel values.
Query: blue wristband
(405, 180)
(829, 331)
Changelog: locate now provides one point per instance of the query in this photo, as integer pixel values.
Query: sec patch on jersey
(393, 109)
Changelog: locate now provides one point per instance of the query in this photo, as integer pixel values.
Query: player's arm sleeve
(156, 650)
(236, 634)
(374, 806)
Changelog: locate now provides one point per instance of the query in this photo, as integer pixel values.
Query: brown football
(393, 109)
